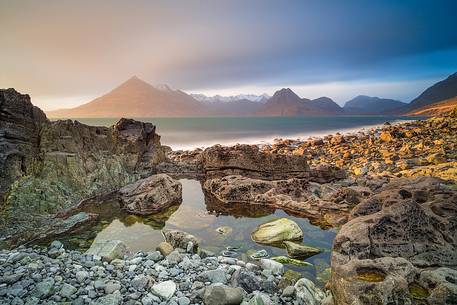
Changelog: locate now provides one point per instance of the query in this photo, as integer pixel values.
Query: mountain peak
(285, 92)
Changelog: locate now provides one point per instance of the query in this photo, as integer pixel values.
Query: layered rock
(397, 239)
(151, 195)
(48, 166)
(250, 161)
(324, 204)
(20, 126)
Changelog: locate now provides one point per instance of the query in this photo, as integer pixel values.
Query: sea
(190, 133)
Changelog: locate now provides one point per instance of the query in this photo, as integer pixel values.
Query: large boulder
(250, 161)
(397, 239)
(277, 231)
(151, 195)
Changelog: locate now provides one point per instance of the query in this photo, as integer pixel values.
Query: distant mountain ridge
(440, 91)
(370, 105)
(137, 98)
(233, 98)
(286, 103)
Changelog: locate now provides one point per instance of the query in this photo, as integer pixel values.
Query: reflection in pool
(195, 217)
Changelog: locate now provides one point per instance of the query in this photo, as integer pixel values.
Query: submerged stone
(277, 231)
(291, 261)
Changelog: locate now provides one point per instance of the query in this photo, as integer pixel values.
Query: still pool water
(201, 219)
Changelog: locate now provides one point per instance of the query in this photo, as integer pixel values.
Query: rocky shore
(56, 276)
(389, 192)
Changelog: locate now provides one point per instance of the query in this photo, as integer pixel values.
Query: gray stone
(139, 282)
(108, 250)
(289, 291)
(67, 290)
(165, 290)
(111, 299)
(112, 286)
(213, 276)
(275, 267)
(219, 294)
(43, 289)
(81, 276)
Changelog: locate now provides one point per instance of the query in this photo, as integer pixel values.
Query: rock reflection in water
(201, 216)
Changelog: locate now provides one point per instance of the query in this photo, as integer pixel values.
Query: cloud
(80, 48)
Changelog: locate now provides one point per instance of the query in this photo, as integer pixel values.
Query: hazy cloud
(84, 48)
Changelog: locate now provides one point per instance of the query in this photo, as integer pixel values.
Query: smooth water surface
(188, 133)
(195, 217)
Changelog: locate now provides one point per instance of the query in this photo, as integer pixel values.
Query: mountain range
(137, 98)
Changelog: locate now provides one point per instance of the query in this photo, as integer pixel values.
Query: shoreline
(389, 192)
(300, 137)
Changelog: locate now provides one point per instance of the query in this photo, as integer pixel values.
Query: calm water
(198, 218)
(186, 133)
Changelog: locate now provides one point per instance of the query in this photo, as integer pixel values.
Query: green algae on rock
(291, 261)
(277, 231)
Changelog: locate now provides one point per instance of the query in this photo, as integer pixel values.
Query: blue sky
(64, 53)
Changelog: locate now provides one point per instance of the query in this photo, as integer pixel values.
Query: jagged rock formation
(399, 246)
(20, 126)
(47, 166)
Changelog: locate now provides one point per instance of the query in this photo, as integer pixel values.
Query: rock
(165, 248)
(289, 291)
(43, 289)
(56, 245)
(67, 290)
(296, 250)
(165, 290)
(275, 267)
(140, 282)
(386, 136)
(174, 257)
(20, 125)
(249, 161)
(108, 250)
(112, 286)
(277, 231)
(392, 238)
(308, 293)
(111, 299)
(81, 276)
(289, 278)
(213, 276)
(290, 261)
(219, 294)
(183, 301)
(246, 280)
(259, 254)
(66, 160)
(180, 239)
(151, 195)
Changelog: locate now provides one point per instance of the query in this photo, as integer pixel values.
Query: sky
(65, 53)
